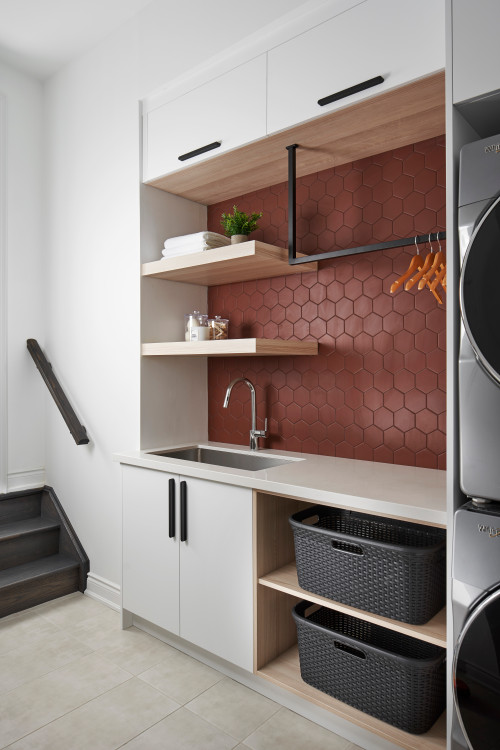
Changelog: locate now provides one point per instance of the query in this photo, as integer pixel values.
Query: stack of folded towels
(194, 243)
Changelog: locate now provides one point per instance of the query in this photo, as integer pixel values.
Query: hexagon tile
(377, 389)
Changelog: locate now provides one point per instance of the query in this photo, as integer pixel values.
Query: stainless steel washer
(479, 358)
(476, 624)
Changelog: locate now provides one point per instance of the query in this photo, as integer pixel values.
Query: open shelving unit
(245, 261)
(277, 590)
(231, 348)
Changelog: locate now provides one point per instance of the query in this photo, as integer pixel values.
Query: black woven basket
(397, 679)
(392, 568)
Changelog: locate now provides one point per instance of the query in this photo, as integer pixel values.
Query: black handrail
(45, 368)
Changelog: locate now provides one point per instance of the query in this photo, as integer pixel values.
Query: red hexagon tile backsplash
(377, 389)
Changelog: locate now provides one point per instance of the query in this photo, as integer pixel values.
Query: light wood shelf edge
(284, 671)
(285, 580)
(232, 348)
(226, 265)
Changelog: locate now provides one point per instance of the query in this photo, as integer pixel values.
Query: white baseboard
(104, 591)
(25, 480)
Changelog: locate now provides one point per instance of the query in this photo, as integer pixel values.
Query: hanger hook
(439, 242)
(430, 242)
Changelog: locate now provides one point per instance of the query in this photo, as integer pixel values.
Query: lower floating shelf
(285, 580)
(285, 672)
(231, 348)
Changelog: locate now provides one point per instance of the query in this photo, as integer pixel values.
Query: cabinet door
(216, 593)
(399, 41)
(230, 109)
(476, 52)
(150, 586)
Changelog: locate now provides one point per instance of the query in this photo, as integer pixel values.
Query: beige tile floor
(71, 679)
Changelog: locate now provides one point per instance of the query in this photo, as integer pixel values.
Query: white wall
(93, 243)
(23, 304)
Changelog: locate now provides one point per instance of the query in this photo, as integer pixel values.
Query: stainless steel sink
(233, 460)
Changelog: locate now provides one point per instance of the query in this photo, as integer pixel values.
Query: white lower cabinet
(200, 588)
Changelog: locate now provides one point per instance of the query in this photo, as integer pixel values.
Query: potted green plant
(238, 225)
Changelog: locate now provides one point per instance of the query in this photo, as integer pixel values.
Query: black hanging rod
(292, 227)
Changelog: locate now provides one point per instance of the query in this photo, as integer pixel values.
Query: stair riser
(29, 547)
(25, 594)
(19, 508)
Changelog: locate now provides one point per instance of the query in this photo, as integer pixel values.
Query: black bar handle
(171, 508)
(351, 90)
(183, 512)
(198, 151)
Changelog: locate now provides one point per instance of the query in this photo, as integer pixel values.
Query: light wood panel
(231, 348)
(367, 511)
(285, 672)
(285, 580)
(226, 265)
(380, 123)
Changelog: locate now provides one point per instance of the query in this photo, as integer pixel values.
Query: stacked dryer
(476, 546)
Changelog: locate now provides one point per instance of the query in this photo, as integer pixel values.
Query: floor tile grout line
(66, 713)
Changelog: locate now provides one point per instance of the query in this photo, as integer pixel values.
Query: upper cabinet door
(230, 111)
(476, 51)
(400, 41)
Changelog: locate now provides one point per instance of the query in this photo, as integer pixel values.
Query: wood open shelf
(231, 348)
(285, 580)
(275, 636)
(226, 265)
(407, 114)
(285, 672)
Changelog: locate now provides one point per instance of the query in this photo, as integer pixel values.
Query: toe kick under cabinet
(187, 559)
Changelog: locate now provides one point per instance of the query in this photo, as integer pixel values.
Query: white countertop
(385, 489)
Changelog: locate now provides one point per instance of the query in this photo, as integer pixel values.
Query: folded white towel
(199, 247)
(212, 239)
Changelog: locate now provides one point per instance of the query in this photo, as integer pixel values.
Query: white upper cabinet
(476, 48)
(229, 110)
(399, 41)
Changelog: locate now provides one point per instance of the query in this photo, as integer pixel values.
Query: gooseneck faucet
(254, 433)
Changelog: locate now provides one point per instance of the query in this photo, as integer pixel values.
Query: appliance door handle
(351, 90)
(201, 150)
(183, 512)
(171, 508)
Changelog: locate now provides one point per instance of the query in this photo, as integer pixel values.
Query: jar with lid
(196, 326)
(219, 328)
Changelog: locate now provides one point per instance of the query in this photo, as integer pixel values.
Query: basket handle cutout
(351, 549)
(311, 520)
(349, 650)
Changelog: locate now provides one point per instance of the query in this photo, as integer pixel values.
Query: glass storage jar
(219, 327)
(196, 326)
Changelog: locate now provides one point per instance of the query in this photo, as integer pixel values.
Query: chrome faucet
(254, 434)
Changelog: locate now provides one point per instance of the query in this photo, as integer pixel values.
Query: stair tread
(41, 567)
(26, 526)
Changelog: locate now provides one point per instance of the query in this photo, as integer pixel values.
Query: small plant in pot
(238, 225)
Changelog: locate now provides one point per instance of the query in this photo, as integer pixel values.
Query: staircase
(41, 557)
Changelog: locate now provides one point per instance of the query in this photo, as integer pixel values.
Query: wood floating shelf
(226, 265)
(285, 672)
(379, 123)
(231, 348)
(285, 580)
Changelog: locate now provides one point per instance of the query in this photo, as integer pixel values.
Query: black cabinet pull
(183, 512)
(171, 508)
(198, 151)
(351, 90)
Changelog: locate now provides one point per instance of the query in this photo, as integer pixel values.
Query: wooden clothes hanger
(429, 261)
(416, 262)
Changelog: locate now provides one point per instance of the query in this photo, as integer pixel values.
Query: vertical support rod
(292, 202)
